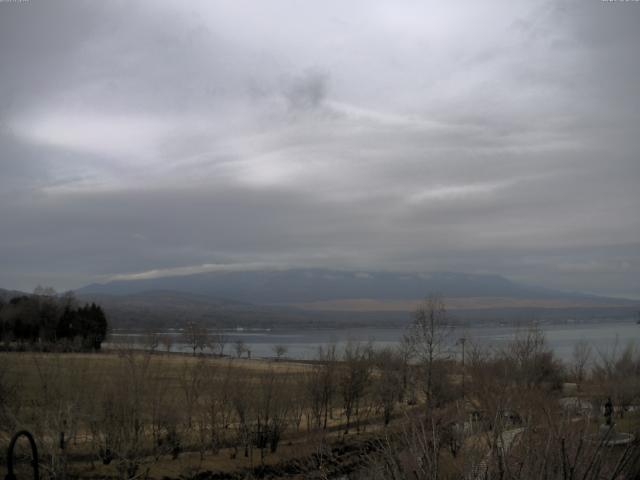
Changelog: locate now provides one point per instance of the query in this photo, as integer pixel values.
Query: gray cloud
(306, 91)
(156, 136)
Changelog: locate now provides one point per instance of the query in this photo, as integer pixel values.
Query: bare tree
(167, 341)
(279, 351)
(191, 379)
(41, 291)
(218, 342)
(388, 384)
(239, 347)
(195, 336)
(151, 341)
(299, 400)
(618, 371)
(321, 386)
(243, 400)
(210, 425)
(580, 359)
(531, 362)
(404, 353)
(555, 449)
(354, 379)
(272, 404)
(427, 336)
(121, 423)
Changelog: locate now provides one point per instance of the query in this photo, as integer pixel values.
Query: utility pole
(462, 341)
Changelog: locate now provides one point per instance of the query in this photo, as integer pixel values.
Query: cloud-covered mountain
(314, 297)
(320, 297)
(315, 285)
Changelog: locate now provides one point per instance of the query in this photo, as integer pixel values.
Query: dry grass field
(128, 414)
(170, 415)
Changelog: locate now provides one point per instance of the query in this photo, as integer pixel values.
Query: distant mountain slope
(164, 308)
(5, 295)
(313, 285)
(314, 297)
(317, 297)
(464, 304)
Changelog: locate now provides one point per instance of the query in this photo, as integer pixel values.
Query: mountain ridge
(331, 298)
(292, 286)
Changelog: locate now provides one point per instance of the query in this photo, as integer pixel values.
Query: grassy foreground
(514, 413)
(127, 413)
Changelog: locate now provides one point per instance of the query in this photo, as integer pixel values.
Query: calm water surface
(304, 344)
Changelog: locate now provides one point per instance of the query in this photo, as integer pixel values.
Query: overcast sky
(153, 138)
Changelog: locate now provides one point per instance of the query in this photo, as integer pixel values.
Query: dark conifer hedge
(39, 319)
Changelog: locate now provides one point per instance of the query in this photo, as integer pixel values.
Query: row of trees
(45, 318)
(202, 340)
(509, 421)
(130, 412)
(512, 423)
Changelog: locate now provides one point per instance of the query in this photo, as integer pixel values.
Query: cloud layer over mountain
(154, 137)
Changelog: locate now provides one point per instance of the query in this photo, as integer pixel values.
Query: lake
(304, 344)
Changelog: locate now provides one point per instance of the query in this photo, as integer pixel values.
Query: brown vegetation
(394, 413)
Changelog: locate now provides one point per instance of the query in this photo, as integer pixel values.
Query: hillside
(313, 285)
(316, 297)
(169, 309)
(330, 298)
